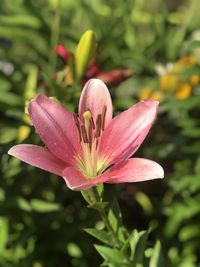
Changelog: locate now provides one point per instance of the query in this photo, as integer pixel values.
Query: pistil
(89, 134)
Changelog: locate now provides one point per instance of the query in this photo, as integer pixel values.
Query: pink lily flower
(90, 148)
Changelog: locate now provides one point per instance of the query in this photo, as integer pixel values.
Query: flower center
(89, 133)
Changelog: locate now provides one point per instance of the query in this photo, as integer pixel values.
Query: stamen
(77, 123)
(88, 133)
(79, 132)
(88, 127)
(92, 123)
(91, 119)
(75, 116)
(84, 134)
(103, 117)
(99, 125)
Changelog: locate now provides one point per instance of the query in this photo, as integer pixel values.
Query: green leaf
(2, 195)
(189, 72)
(113, 220)
(8, 135)
(127, 242)
(100, 190)
(10, 99)
(88, 196)
(74, 250)
(197, 166)
(192, 45)
(188, 232)
(31, 82)
(155, 256)
(101, 235)
(180, 212)
(21, 20)
(144, 201)
(111, 255)
(138, 244)
(122, 234)
(100, 206)
(93, 197)
(24, 204)
(3, 233)
(114, 215)
(191, 132)
(85, 51)
(44, 206)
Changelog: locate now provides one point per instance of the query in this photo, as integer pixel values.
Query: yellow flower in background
(23, 133)
(188, 61)
(194, 80)
(157, 95)
(24, 130)
(145, 93)
(148, 92)
(168, 82)
(171, 82)
(184, 92)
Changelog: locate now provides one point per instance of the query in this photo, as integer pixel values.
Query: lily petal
(76, 181)
(135, 170)
(132, 170)
(95, 96)
(39, 157)
(127, 131)
(55, 126)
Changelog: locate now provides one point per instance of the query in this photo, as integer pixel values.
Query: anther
(84, 134)
(79, 132)
(75, 116)
(98, 125)
(92, 123)
(77, 123)
(104, 117)
(87, 115)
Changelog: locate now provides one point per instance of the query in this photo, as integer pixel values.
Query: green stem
(94, 196)
(105, 219)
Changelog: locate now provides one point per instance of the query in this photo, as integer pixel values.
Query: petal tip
(151, 102)
(38, 98)
(160, 173)
(10, 151)
(94, 82)
(13, 150)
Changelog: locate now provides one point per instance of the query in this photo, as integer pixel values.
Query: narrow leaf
(101, 235)
(111, 255)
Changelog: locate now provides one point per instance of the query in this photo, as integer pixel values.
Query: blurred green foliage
(40, 219)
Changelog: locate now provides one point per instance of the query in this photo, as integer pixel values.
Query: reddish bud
(114, 76)
(92, 70)
(63, 52)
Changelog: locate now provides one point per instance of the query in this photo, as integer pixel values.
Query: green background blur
(41, 221)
